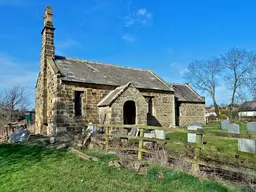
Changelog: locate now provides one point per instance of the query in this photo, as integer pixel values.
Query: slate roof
(84, 71)
(248, 106)
(184, 92)
(113, 95)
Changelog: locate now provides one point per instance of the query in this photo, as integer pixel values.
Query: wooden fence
(196, 161)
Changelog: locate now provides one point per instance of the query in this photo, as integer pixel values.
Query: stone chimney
(48, 49)
(47, 52)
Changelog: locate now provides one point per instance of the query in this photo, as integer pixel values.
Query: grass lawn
(216, 148)
(34, 168)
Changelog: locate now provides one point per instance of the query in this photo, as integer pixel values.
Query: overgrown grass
(34, 168)
(216, 148)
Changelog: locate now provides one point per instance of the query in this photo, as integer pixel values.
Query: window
(150, 111)
(78, 103)
(149, 100)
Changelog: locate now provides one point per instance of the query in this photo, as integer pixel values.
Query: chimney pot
(48, 16)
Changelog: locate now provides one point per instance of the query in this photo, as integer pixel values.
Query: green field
(34, 168)
(223, 150)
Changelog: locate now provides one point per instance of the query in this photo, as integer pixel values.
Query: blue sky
(163, 35)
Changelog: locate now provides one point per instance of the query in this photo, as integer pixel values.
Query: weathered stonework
(55, 97)
(130, 94)
(163, 108)
(191, 113)
(47, 51)
(92, 94)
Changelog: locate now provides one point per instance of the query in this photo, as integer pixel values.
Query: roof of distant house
(183, 92)
(248, 106)
(84, 71)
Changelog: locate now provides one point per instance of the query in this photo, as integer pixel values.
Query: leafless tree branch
(13, 102)
(238, 64)
(204, 76)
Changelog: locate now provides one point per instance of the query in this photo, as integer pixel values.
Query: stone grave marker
(224, 124)
(160, 134)
(192, 136)
(248, 145)
(251, 127)
(234, 128)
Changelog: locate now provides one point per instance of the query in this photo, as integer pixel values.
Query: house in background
(73, 92)
(210, 114)
(247, 111)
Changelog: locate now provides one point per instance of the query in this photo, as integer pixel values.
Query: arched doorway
(129, 112)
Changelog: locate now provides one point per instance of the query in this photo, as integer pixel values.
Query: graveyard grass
(222, 150)
(34, 168)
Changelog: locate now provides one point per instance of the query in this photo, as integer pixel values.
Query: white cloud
(135, 17)
(144, 13)
(14, 71)
(128, 37)
(139, 16)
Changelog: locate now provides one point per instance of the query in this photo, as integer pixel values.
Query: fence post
(199, 144)
(140, 145)
(107, 138)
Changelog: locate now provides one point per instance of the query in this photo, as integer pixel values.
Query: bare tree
(251, 81)
(204, 76)
(238, 64)
(13, 102)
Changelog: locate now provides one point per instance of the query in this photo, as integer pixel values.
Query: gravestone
(133, 132)
(224, 124)
(234, 128)
(192, 136)
(160, 134)
(150, 135)
(248, 145)
(251, 127)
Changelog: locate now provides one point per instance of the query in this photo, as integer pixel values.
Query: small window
(78, 103)
(150, 108)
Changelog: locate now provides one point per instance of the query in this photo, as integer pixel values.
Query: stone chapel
(73, 92)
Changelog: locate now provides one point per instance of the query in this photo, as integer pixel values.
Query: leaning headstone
(251, 127)
(247, 145)
(133, 132)
(224, 124)
(192, 136)
(234, 128)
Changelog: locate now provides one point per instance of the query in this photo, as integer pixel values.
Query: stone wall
(39, 104)
(130, 94)
(45, 75)
(45, 125)
(92, 95)
(105, 115)
(163, 108)
(61, 112)
(191, 113)
(52, 82)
